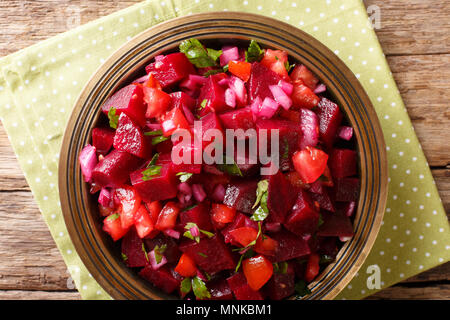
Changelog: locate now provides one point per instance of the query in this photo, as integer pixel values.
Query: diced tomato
(154, 208)
(244, 235)
(173, 120)
(143, 222)
(128, 201)
(157, 102)
(168, 216)
(240, 69)
(303, 97)
(265, 245)
(312, 268)
(105, 211)
(113, 226)
(222, 213)
(186, 266)
(276, 60)
(258, 270)
(152, 82)
(310, 163)
(301, 72)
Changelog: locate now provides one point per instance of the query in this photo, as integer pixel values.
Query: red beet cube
(214, 95)
(220, 290)
(342, 163)
(280, 197)
(129, 100)
(198, 215)
(240, 220)
(114, 170)
(102, 139)
(260, 80)
(160, 187)
(330, 118)
(161, 278)
(170, 69)
(289, 246)
(133, 250)
(281, 285)
(323, 200)
(346, 189)
(335, 224)
(209, 122)
(129, 137)
(172, 253)
(241, 195)
(210, 254)
(304, 218)
(242, 291)
(238, 119)
(181, 99)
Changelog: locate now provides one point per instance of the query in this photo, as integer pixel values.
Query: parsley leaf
(159, 252)
(124, 256)
(320, 221)
(201, 254)
(153, 133)
(213, 71)
(285, 154)
(203, 104)
(198, 55)
(184, 176)
(113, 118)
(248, 254)
(145, 251)
(151, 172)
(185, 285)
(280, 267)
(302, 288)
(261, 211)
(153, 161)
(199, 288)
(254, 52)
(159, 139)
(230, 167)
(263, 186)
(189, 235)
(288, 66)
(113, 217)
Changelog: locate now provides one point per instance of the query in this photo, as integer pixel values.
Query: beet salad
(246, 228)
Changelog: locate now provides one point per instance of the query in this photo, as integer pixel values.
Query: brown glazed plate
(98, 252)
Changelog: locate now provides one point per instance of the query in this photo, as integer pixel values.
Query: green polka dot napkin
(39, 85)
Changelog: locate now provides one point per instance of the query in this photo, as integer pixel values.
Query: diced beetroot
(129, 137)
(171, 68)
(209, 122)
(210, 254)
(309, 125)
(260, 79)
(242, 291)
(102, 139)
(198, 215)
(189, 166)
(346, 189)
(241, 195)
(280, 197)
(114, 170)
(240, 220)
(214, 95)
(238, 119)
(281, 285)
(327, 246)
(342, 163)
(161, 278)
(304, 218)
(289, 246)
(323, 200)
(159, 187)
(133, 250)
(181, 99)
(220, 290)
(171, 253)
(316, 187)
(335, 224)
(130, 101)
(330, 118)
(243, 163)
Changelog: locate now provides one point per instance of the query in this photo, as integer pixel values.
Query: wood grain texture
(415, 38)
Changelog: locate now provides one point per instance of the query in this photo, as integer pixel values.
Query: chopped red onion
(281, 97)
(168, 125)
(345, 132)
(218, 193)
(255, 107)
(88, 161)
(238, 86)
(195, 232)
(309, 125)
(198, 192)
(230, 98)
(105, 197)
(320, 88)
(350, 208)
(286, 86)
(185, 188)
(154, 126)
(201, 275)
(345, 239)
(268, 108)
(306, 237)
(228, 54)
(172, 233)
(152, 260)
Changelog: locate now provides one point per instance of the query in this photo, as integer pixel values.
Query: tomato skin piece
(266, 246)
(154, 208)
(157, 102)
(240, 69)
(312, 268)
(301, 72)
(310, 163)
(152, 82)
(303, 97)
(186, 266)
(128, 201)
(113, 226)
(168, 216)
(244, 235)
(258, 270)
(276, 61)
(143, 222)
(222, 213)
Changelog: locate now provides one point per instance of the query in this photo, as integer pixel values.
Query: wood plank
(428, 292)
(413, 26)
(38, 295)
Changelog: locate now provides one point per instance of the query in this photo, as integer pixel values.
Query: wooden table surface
(415, 37)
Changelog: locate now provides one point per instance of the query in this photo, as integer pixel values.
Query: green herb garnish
(248, 254)
(124, 256)
(261, 211)
(185, 285)
(159, 139)
(320, 221)
(151, 172)
(301, 288)
(189, 235)
(145, 251)
(199, 288)
(153, 161)
(211, 72)
(254, 52)
(203, 104)
(184, 176)
(159, 252)
(153, 133)
(280, 267)
(113, 118)
(285, 154)
(198, 55)
(201, 254)
(230, 167)
(288, 66)
(113, 217)
(325, 259)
